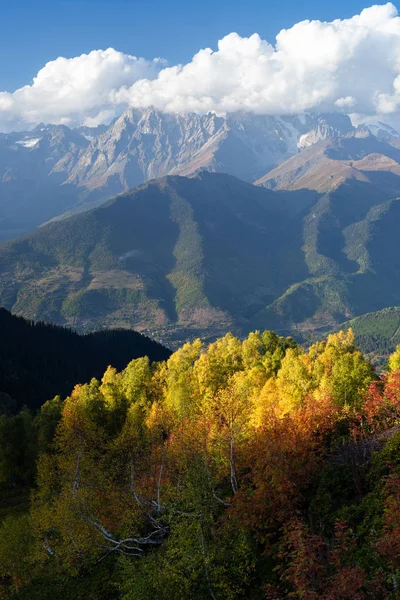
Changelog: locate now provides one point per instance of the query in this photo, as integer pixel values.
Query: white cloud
(345, 103)
(342, 65)
(104, 116)
(75, 90)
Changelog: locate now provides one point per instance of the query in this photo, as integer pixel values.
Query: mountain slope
(349, 233)
(181, 257)
(195, 253)
(327, 164)
(377, 333)
(352, 259)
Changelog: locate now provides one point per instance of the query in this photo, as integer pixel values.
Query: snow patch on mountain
(381, 130)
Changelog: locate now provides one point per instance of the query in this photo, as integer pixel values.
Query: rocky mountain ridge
(52, 170)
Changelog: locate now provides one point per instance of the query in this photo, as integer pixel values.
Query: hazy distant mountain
(381, 130)
(33, 167)
(53, 170)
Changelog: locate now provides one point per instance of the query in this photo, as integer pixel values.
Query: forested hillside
(378, 333)
(179, 256)
(237, 470)
(39, 360)
(196, 257)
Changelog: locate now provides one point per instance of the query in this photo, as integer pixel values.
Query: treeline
(250, 469)
(40, 360)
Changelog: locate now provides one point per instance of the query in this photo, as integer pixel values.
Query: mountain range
(52, 170)
(198, 251)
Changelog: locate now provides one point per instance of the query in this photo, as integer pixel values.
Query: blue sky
(33, 32)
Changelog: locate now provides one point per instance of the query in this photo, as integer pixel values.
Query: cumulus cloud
(347, 102)
(75, 90)
(350, 65)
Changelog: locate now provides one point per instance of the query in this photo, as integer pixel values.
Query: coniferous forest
(242, 469)
(39, 360)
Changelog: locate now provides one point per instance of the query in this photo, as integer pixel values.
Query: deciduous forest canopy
(242, 469)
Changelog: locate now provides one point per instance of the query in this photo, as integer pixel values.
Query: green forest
(239, 469)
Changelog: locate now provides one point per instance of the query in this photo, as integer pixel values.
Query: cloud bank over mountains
(350, 65)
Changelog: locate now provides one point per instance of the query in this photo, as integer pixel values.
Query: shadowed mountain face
(203, 253)
(54, 170)
(180, 257)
